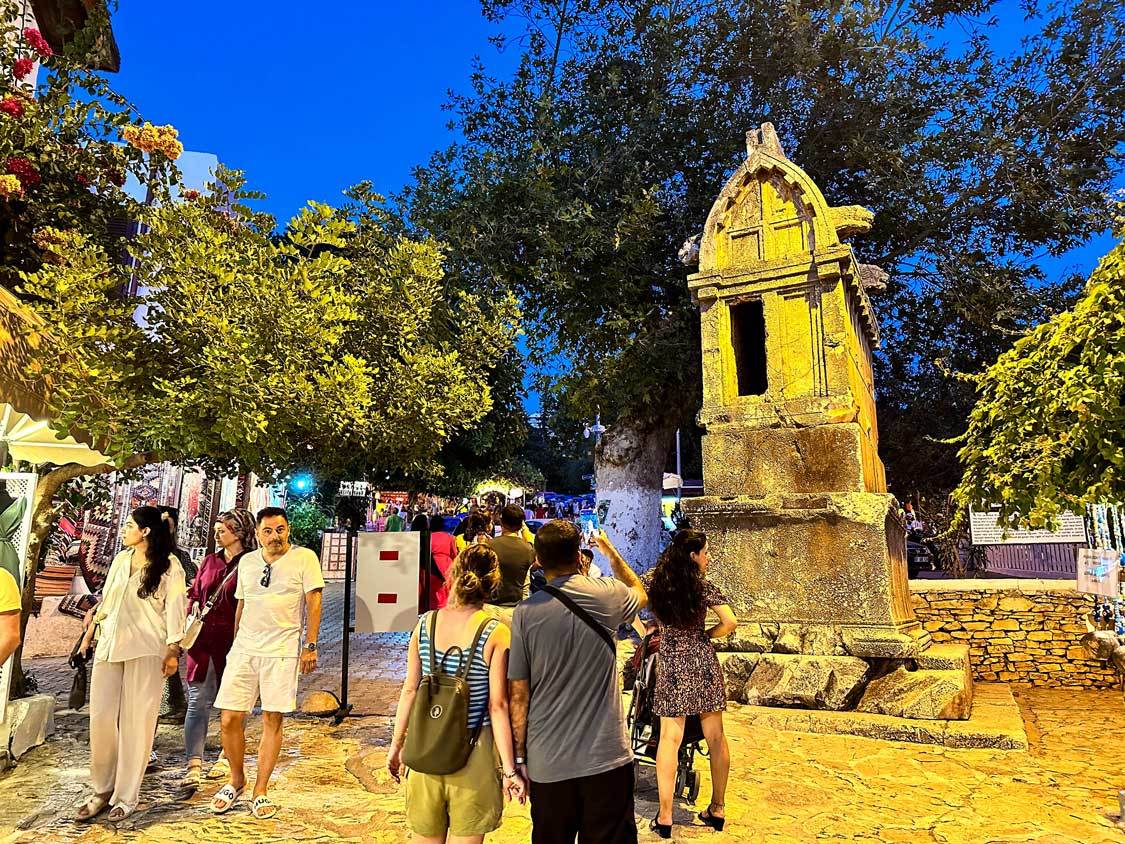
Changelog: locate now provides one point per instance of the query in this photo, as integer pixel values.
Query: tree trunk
(629, 470)
(42, 520)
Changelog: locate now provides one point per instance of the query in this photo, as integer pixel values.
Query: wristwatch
(310, 647)
(520, 760)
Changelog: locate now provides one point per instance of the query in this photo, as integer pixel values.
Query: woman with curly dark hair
(689, 680)
(141, 622)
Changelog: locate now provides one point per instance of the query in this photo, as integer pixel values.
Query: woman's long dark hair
(160, 547)
(676, 594)
(476, 524)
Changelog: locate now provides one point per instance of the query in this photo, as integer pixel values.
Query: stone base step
(995, 723)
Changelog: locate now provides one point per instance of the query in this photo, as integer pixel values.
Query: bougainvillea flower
(12, 106)
(23, 170)
(10, 186)
(149, 138)
(82, 179)
(191, 194)
(38, 43)
(23, 67)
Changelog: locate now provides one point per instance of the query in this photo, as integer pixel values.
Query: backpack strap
(467, 663)
(573, 606)
(433, 630)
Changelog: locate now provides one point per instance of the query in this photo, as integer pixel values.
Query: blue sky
(307, 99)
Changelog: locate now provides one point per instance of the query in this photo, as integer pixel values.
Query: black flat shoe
(715, 823)
(664, 830)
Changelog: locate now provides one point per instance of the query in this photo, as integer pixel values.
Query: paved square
(785, 787)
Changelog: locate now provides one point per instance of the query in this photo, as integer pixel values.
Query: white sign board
(386, 582)
(1098, 572)
(17, 494)
(354, 489)
(985, 529)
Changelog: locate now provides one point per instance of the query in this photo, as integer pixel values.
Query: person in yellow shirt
(9, 615)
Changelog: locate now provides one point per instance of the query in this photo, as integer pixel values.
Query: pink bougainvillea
(23, 170)
(191, 195)
(82, 179)
(23, 67)
(12, 106)
(38, 43)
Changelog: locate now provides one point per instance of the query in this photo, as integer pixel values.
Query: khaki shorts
(469, 802)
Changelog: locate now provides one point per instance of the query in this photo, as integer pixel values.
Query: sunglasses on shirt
(267, 572)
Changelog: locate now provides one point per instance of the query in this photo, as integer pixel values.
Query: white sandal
(92, 807)
(121, 813)
(263, 808)
(224, 798)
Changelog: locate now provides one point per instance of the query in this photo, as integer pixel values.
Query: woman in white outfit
(140, 622)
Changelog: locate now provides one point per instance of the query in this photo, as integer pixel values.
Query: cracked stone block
(749, 638)
(948, 656)
(809, 639)
(925, 694)
(812, 682)
(737, 668)
(27, 723)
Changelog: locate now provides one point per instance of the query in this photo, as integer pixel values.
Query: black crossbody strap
(570, 604)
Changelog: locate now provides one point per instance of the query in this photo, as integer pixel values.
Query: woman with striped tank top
(468, 804)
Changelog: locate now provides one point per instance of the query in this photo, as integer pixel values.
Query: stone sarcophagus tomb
(804, 537)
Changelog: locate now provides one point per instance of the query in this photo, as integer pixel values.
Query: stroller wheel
(693, 786)
(679, 789)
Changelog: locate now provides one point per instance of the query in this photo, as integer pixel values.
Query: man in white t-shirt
(274, 584)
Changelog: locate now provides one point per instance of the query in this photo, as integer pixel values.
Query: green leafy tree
(243, 351)
(578, 178)
(307, 521)
(1048, 431)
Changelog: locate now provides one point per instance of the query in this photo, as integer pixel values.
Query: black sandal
(664, 830)
(716, 823)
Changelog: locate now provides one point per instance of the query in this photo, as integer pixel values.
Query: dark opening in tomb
(748, 335)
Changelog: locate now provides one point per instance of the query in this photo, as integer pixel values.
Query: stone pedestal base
(821, 574)
(935, 685)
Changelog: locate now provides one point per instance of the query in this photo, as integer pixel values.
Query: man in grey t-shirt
(567, 716)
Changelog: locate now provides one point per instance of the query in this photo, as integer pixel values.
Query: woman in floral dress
(689, 680)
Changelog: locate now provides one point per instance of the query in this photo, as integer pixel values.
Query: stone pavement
(785, 787)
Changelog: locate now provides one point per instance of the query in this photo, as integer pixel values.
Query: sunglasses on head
(267, 572)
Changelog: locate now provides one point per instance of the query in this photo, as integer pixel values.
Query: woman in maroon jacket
(206, 659)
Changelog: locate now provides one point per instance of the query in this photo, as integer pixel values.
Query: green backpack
(439, 740)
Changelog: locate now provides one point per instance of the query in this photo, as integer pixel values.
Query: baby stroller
(644, 725)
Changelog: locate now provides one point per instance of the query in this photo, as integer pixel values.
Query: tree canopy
(1048, 431)
(245, 350)
(577, 179)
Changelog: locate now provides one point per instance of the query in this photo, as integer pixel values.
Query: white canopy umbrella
(35, 441)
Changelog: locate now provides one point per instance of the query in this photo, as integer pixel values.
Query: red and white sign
(386, 582)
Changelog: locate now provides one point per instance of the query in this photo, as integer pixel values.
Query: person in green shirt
(395, 523)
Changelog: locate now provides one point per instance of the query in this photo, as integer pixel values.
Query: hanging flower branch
(67, 150)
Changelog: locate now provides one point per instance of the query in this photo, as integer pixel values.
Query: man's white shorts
(274, 677)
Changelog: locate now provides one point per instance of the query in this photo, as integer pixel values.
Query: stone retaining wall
(1019, 631)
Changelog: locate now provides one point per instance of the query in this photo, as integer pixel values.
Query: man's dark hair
(557, 544)
(270, 512)
(511, 517)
